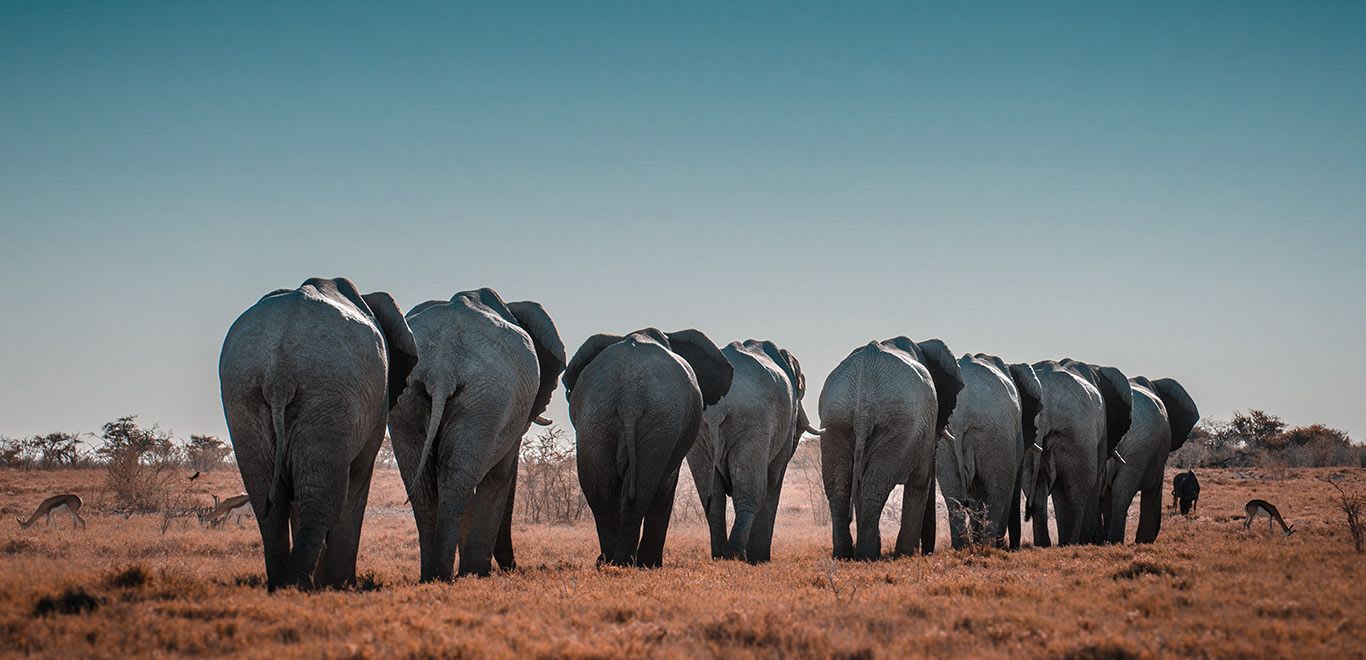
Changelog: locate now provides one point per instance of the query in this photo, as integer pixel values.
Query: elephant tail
(433, 426)
(861, 433)
(279, 401)
(626, 465)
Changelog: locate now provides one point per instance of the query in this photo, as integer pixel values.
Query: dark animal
(194, 476)
(1185, 491)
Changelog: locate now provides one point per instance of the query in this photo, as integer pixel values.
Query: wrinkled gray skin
(1163, 416)
(882, 409)
(745, 443)
(978, 461)
(304, 375)
(487, 371)
(636, 404)
(1085, 411)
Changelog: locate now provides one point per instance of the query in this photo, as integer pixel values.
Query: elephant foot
(484, 570)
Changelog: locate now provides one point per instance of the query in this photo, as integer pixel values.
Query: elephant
(978, 460)
(744, 446)
(636, 404)
(882, 409)
(487, 372)
(1163, 416)
(308, 377)
(1084, 413)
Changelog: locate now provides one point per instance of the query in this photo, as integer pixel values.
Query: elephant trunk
(433, 427)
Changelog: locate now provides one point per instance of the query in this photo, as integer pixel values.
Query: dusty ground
(1206, 588)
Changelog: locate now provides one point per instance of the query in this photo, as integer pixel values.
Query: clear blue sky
(1177, 189)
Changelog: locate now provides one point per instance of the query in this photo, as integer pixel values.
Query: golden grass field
(1207, 587)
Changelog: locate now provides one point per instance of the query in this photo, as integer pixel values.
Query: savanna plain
(157, 585)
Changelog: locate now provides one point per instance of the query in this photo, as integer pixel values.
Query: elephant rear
(636, 403)
(881, 409)
(637, 411)
(304, 377)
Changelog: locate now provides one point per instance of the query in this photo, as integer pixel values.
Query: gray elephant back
(936, 357)
(711, 369)
(384, 313)
(1116, 393)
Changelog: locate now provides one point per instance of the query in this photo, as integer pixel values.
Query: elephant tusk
(1120, 457)
(1038, 447)
(542, 420)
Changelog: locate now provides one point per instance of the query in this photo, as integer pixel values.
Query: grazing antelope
(236, 506)
(67, 503)
(1186, 491)
(1256, 508)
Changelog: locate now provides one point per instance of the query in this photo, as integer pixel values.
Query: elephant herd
(312, 377)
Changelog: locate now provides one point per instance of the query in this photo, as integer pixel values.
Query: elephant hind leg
(483, 517)
(317, 509)
(760, 548)
(275, 543)
(651, 550)
(929, 526)
(502, 546)
(1149, 515)
(337, 566)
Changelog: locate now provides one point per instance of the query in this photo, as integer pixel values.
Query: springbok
(235, 506)
(1256, 508)
(67, 503)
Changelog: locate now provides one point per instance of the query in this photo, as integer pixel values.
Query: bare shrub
(1352, 504)
(687, 503)
(548, 486)
(976, 519)
(12, 452)
(386, 460)
(142, 467)
(841, 587)
(54, 450)
(206, 452)
(74, 600)
(807, 460)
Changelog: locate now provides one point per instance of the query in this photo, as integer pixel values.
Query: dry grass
(1206, 588)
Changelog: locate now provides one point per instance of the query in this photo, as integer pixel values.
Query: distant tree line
(122, 440)
(1257, 438)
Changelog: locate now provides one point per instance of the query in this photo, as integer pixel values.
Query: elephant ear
(948, 377)
(1181, 411)
(398, 341)
(712, 369)
(586, 353)
(422, 307)
(1119, 404)
(1031, 400)
(549, 349)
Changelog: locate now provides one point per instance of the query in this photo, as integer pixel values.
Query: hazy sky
(1177, 190)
